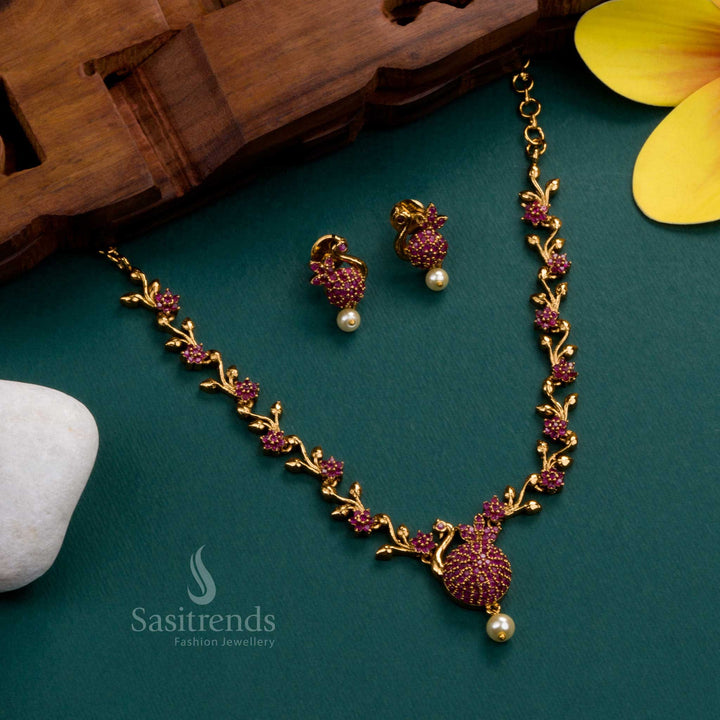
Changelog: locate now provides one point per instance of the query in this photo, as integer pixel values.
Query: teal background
(430, 405)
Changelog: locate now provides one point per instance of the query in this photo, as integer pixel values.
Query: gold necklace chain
(474, 571)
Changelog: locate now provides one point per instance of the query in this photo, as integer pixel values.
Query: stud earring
(418, 240)
(344, 286)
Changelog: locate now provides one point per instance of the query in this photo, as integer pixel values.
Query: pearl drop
(436, 279)
(348, 320)
(500, 627)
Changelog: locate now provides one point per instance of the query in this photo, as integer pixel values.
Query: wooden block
(115, 113)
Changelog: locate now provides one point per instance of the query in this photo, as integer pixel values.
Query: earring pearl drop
(343, 277)
(348, 320)
(436, 279)
(419, 241)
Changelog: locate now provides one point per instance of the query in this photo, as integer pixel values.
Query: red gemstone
(477, 576)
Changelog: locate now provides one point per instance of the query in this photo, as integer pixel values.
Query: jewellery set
(464, 556)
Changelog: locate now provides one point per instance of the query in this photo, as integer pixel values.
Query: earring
(344, 286)
(418, 240)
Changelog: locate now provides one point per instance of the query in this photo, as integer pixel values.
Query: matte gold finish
(407, 217)
(332, 245)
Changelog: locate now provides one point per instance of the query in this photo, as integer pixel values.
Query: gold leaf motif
(210, 385)
(342, 510)
(295, 465)
(174, 343)
(532, 508)
(132, 299)
(552, 186)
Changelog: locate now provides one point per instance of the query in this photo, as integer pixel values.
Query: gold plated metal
(344, 283)
(464, 557)
(407, 217)
(336, 247)
(418, 239)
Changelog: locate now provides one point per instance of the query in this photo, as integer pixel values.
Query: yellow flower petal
(677, 173)
(653, 51)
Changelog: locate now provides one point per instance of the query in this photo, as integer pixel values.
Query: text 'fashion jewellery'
(418, 240)
(474, 571)
(344, 285)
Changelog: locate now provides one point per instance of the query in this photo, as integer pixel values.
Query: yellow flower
(665, 52)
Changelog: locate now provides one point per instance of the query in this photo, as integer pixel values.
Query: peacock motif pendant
(476, 573)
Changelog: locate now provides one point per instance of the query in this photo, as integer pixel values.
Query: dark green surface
(430, 405)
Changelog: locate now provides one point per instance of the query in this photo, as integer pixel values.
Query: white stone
(48, 444)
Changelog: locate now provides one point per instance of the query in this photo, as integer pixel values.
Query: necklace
(475, 572)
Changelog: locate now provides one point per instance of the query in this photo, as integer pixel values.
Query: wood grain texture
(134, 109)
